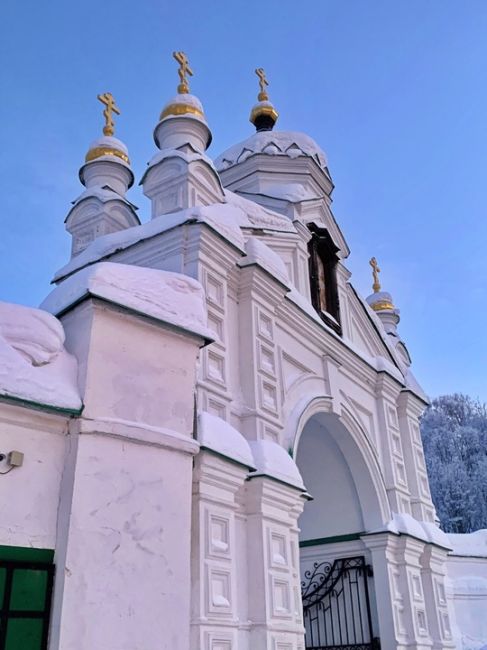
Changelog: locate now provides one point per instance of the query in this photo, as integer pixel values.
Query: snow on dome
(260, 254)
(380, 300)
(34, 364)
(219, 436)
(183, 104)
(170, 297)
(272, 460)
(108, 147)
(274, 143)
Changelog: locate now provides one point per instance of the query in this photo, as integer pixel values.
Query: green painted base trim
(26, 554)
(330, 540)
(10, 399)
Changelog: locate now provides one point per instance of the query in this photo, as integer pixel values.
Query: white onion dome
(182, 120)
(111, 150)
(292, 144)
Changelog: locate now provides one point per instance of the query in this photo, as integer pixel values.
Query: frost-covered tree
(454, 432)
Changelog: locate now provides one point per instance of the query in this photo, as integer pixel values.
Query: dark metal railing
(336, 606)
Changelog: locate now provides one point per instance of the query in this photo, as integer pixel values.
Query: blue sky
(395, 92)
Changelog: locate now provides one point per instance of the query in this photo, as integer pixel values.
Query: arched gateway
(339, 605)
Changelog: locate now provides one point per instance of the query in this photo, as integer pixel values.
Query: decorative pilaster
(387, 390)
(274, 592)
(433, 574)
(217, 566)
(401, 604)
(409, 410)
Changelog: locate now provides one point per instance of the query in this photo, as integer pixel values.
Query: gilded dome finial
(110, 108)
(107, 145)
(263, 114)
(379, 300)
(262, 96)
(183, 71)
(375, 273)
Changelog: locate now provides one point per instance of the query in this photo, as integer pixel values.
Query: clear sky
(395, 92)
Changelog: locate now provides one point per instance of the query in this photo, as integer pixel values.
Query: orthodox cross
(262, 96)
(375, 273)
(110, 108)
(183, 70)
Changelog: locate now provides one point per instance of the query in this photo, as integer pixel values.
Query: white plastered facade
(175, 498)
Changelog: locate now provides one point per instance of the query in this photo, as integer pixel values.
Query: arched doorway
(347, 500)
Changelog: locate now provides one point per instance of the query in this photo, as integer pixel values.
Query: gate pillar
(401, 605)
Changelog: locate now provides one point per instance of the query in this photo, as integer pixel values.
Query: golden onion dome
(107, 146)
(183, 104)
(381, 301)
(263, 114)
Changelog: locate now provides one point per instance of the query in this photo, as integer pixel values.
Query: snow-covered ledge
(215, 434)
(272, 460)
(404, 524)
(172, 298)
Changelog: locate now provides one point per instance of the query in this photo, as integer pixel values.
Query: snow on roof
(103, 194)
(170, 297)
(258, 216)
(219, 436)
(469, 544)
(222, 217)
(34, 364)
(187, 156)
(272, 460)
(292, 192)
(273, 143)
(259, 253)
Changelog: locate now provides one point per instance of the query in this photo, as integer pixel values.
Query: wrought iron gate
(336, 606)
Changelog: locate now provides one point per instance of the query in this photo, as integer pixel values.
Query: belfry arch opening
(345, 503)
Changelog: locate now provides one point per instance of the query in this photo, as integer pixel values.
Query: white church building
(209, 439)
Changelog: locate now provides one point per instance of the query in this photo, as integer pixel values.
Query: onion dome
(263, 114)
(381, 303)
(379, 300)
(108, 146)
(182, 119)
(107, 149)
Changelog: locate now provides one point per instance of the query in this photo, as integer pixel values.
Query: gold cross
(375, 273)
(109, 102)
(183, 70)
(262, 96)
